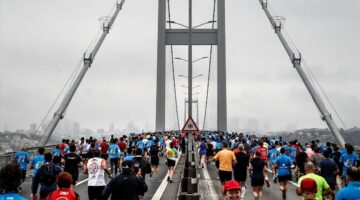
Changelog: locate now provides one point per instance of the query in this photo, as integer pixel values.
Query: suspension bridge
(191, 47)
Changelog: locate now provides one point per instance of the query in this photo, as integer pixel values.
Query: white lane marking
(81, 182)
(209, 183)
(291, 182)
(163, 184)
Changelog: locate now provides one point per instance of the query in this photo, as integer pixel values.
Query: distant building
(111, 128)
(33, 128)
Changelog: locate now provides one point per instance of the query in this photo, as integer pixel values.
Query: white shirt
(96, 172)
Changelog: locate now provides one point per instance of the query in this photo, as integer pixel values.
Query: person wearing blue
(46, 177)
(348, 160)
(22, 158)
(352, 191)
(129, 156)
(10, 180)
(140, 144)
(283, 166)
(273, 153)
(37, 161)
(56, 151)
(114, 152)
(202, 151)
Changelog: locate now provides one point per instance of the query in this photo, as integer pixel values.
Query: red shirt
(64, 193)
(263, 153)
(62, 147)
(104, 148)
(122, 146)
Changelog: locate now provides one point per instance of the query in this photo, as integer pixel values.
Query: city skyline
(40, 46)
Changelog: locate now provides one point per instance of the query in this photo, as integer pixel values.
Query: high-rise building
(33, 128)
(111, 128)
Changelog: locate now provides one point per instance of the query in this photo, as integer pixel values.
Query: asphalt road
(159, 188)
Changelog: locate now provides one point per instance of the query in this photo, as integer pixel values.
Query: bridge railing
(33, 151)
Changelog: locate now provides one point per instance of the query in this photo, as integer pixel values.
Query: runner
(64, 190)
(72, 164)
(46, 177)
(282, 167)
(96, 168)
(114, 152)
(10, 180)
(226, 160)
(322, 188)
(126, 185)
(104, 147)
(329, 171)
(256, 168)
(272, 155)
(264, 156)
(22, 158)
(352, 191)
(171, 160)
(348, 160)
(154, 159)
(240, 168)
(202, 152)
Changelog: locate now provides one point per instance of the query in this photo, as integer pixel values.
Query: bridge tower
(191, 37)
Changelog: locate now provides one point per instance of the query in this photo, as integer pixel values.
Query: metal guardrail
(33, 151)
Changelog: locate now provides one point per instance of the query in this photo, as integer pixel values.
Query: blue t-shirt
(37, 161)
(67, 149)
(348, 160)
(273, 154)
(140, 144)
(11, 196)
(202, 148)
(149, 144)
(352, 191)
(114, 151)
(283, 164)
(129, 157)
(22, 158)
(56, 152)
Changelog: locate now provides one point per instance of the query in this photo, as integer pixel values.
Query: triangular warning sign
(190, 125)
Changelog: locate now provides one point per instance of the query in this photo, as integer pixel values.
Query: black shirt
(123, 186)
(242, 161)
(258, 167)
(71, 162)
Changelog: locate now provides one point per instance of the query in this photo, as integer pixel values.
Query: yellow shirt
(170, 154)
(226, 159)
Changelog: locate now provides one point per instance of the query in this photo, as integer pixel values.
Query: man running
(96, 168)
(240, 168)
(22, 158)
(264, 156)
(114, 152)
(226, 162)
(282, 167)
(72, 164)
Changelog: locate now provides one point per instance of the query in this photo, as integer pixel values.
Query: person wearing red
(104, 147)
(62, 146)
(264, 156)
(64, 190)
(122, 145)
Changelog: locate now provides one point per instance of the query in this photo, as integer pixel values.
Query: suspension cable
(210, 62)
(322, 90)
(173, 70)
(71, 78)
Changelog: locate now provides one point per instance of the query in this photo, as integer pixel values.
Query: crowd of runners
(321, 171)
(117, 166)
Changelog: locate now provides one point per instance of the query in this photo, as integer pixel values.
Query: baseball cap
(308, 185)
(231, 185)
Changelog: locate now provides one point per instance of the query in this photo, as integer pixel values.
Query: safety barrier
(8, 157)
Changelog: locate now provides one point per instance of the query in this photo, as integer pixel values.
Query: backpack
(49, 176)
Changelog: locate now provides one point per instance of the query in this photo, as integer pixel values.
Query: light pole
(190, 61)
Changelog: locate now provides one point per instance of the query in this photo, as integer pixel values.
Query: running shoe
(275, 179)
(267, 183)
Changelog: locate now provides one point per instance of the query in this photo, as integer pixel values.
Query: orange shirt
(226, 158)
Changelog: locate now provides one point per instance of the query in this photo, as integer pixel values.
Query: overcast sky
(41, 42)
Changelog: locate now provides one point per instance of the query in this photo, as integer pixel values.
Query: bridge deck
(159, 188)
